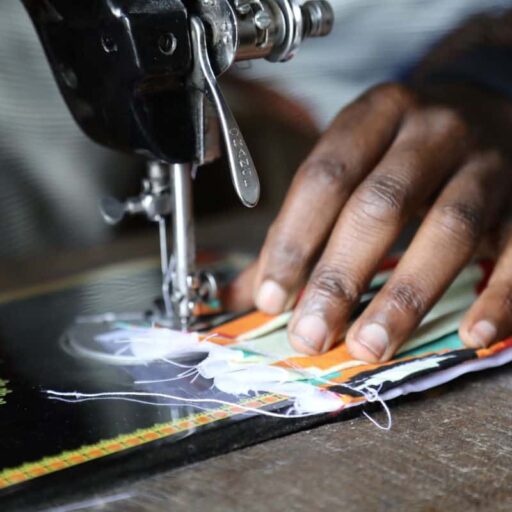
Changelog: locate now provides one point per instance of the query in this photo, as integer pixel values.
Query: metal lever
(243, 173)
(154, 200)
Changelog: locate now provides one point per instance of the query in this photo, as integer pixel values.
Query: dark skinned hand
(393, 153)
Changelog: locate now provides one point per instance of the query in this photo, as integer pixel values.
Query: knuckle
(285, 253)
(462, 222)
(394, 94)
(330, 171)
(383, 198)
(450, 120)
(407, 295)
(444, 120)
(496, 165)
(332, 282)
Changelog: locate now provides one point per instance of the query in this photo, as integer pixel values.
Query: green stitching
(4, 391)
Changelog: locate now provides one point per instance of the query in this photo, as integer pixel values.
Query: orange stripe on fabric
(242, 325)
(494, 349)
(334, 357)
(218, 339)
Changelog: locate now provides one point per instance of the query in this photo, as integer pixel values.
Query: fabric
(435, 347)
(251, 355)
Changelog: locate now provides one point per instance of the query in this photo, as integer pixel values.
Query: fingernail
(311, 331)
(375, 338)
(271, 298)
(483, 333)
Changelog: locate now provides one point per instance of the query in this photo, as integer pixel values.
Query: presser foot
(81, 338)
(88, 337)
(166, 199)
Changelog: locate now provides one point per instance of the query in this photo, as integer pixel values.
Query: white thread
(370, 394)
(190, 401)
(179, 365)
(121, 351)
(125, 399)
(182, 375)
(303, 401)
(94, 503)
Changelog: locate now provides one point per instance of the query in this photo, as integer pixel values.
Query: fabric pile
(251, 355)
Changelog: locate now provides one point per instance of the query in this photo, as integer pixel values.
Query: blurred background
(52, 176)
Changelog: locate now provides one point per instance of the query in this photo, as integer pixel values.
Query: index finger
(347, 152)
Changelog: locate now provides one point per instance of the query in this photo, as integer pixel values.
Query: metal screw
(262, 20)
(318, 18)
(167, 43)
(108, 43)
(242, 6)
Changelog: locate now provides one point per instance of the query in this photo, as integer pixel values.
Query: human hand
(387, 156)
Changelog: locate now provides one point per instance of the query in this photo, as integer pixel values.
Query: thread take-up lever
(243, 172)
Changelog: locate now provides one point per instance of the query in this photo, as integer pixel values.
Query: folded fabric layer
(252, 355)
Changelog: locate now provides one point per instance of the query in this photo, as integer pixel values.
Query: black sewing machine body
(122, 67)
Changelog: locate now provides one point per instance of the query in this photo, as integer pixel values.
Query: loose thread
(179, 365)
(194, 378)
(122, 394)
(370, 394)
(121, 351)
(180, 376)
(126, 399)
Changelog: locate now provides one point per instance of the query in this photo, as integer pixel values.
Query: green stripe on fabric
(450, 342)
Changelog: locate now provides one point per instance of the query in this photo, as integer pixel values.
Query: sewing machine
(141, 76)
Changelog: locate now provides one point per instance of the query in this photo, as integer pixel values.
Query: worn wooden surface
(449, 450)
